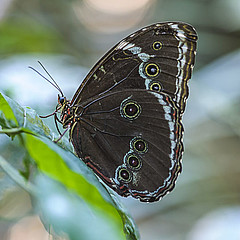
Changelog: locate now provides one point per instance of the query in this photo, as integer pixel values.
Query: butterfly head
(61, 100)
(65, 109)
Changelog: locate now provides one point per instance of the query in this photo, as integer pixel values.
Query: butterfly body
(125, 118)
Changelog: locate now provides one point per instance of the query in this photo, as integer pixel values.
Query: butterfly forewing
(159, 57)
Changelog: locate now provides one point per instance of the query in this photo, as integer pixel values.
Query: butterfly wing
(159, 57)
(132, 139)
(127, 112)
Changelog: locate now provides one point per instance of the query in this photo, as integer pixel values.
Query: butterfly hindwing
(133, 140)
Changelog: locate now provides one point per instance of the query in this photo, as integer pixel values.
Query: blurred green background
(68, 37)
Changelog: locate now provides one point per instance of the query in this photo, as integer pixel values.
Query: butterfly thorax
(66, 111)
(69, 114)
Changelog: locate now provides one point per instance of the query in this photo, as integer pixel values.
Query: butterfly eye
(133, 161)
(152, 69)
(155, 86)
(124, 175)
(157, 45)
(130, 109)
(61, 100)
(139, 145)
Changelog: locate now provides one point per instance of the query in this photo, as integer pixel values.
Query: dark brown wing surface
(133, 140)
(128, 114)
(159, 57)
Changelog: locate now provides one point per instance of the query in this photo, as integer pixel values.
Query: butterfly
(125, 119)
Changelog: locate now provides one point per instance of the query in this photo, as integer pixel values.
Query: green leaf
(67, 212)
(67, 169)
(64, 167)
(15, 175)
(7, 116)
(20, 119)
(35, 124)
(25, 120)
(14, 155)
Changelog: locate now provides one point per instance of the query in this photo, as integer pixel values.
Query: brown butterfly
(125, 119)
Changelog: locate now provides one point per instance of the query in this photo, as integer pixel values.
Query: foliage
(67, 195)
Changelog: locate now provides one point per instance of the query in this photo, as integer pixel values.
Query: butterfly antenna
(53, 83)
(51, 77)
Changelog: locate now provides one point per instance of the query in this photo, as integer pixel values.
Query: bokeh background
(68, 37)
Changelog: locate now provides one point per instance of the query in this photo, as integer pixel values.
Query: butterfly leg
(62, 134)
